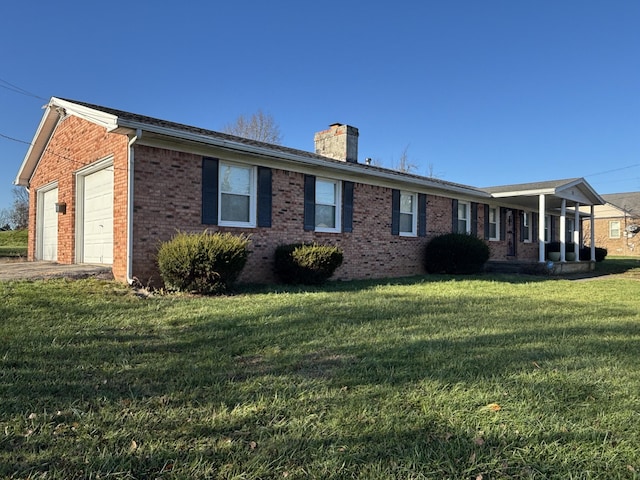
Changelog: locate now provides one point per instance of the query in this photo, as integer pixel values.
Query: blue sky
(479, 92)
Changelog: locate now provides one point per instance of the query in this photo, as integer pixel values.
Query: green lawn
(13, 243)
(491, 377)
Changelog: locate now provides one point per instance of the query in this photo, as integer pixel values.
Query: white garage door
(49, 226)
(98, 217)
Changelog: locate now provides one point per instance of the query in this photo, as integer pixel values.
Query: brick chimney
(339, 142)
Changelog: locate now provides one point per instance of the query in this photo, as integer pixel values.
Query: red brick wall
(77, 143)
(627, 246)
(168, 198)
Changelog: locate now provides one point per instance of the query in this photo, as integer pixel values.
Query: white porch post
(563, 231)
(541, 212)
(592, 233)
(576, 232)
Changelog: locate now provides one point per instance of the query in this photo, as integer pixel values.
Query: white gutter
(130, 164)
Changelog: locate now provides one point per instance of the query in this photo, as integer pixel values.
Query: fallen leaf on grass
(133, 447)
(494, 407)
(478, 441)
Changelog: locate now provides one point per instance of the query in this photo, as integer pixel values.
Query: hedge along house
(108, 186)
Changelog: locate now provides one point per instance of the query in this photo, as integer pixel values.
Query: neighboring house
(108, 186)
(617, 224)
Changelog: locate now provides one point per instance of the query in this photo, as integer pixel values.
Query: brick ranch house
(617, 224)
(108, 186)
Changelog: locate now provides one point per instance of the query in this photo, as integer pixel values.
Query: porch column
(576, 232)
(541, 211)
(592, 233)
(563, 231)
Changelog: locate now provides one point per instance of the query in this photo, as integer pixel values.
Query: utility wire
(14, 88)
(614, 170)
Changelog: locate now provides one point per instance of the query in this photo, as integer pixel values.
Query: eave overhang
(575, 190)
(58, 109)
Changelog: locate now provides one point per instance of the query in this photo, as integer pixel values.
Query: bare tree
(404, 164)
(431, 171)
(259, 126)
(18, 215)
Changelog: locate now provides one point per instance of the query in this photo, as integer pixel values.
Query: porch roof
(527, 194)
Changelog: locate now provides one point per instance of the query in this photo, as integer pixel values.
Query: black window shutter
(395, 212)
(209, 191)
(347, 207)
(454, 215)
(552, 228)
(422, 215)
(521, 225)
(486, 222)
(503, 223)
(309, 202)
(264, 197)
(474, 218)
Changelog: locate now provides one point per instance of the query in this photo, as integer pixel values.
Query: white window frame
(496, 222)
(414, 217)
(466, 219)
(253, 188)
(611, 230)
(526, 223)
(337, 205)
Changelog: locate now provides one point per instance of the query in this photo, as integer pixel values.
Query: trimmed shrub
(456, 253)
(585, 254)
(309, 264)
(202, 262)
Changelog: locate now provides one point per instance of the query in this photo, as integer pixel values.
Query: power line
(14, 88)
(614, 170)
(14, 139)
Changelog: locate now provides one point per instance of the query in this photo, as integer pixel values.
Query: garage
(47, 238)
(97, 216)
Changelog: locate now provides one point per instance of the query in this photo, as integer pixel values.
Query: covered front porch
(554, 207)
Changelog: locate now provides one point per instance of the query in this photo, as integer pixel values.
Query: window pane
(493, 233)
(462, 226)
(406, 222)
(235, 180)
(325, 216)
(406, 203)
(325, 193)
(462, 211)
(492, 215)
(614, 229)
(234, 208)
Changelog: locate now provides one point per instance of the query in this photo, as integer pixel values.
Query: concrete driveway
(21, 270)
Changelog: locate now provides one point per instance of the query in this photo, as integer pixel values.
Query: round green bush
(309, 264)
(202, 262)
(456, 253)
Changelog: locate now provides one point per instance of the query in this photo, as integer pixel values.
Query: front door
(510, 234)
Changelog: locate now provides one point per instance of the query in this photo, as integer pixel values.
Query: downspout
(130, 164)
